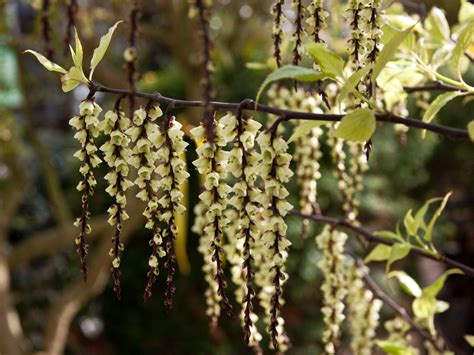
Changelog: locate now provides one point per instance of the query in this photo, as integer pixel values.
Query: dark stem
(71, 12)
(46, 29)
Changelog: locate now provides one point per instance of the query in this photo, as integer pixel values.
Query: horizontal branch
(251, 105)
(469, 271)
(436, 86)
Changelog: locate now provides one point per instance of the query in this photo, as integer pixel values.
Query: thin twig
(251, 105)
(436, 86)
(340, 223)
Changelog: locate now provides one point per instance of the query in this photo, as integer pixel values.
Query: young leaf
(420, 214)
(329, 61)
(304, 128)
(424, 307)
(99, 52)
(389, 50)
(466, 12)
(357, 126)
(429, 229)
(433, 289)
(462, 43)
(380, 253)
(437, 105)
(470, 130)
(290, 72)
(72, 78)
(407, 283)
(394, 348)
(350, 85)
(78, 54)
(398, 252)
(469, 339)
(389, 235)
(410, 224)
(45, 62)
(439, 24)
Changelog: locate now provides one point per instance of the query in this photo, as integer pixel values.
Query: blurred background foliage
(36, 149)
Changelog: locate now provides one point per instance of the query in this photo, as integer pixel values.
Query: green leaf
(433, 289)
(439, 24)
(350, 85)
(78, 54)
(394, 348)
(389, 51)
(437, 105)
(357, 126)
(429, 228)
(329, 61)
(45, 62)
(410, 224)
(441, 306)
(389, 235)
(99, 52)
(73, 78)
(469, 339)
(424, 307)
(407, 283)
(398, 252)
(466, 12)
(304, 128)
(420, 214)
(470, 130)
(291, 72)
(462, 44)
(380, 253)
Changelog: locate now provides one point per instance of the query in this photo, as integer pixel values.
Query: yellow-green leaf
(357, 126)
(291, 72)
(437, 105)
(433, 289)
(45, 62)
(380, 253)
(395, 348)
(424, 307)
(389, 235)
(389, 50)
(465, 38)
(350, 85)
(410, 223)
(79, 53)
(469, 339)
(420, 214)
(99, 52)
(470, 130)
(466, 12)
(398, 252)
(305, 128)
(329, 61)
(429, 228)
(407, 283)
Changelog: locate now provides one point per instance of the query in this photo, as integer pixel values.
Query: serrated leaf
(433, 289)
(291, 72)
(357, 126)
(439, 210)
(389, 50)
(470, 130)
(469, 339)
(329, 61)
(304, 128)
(45, 62)
(380, 253)
(350, 85)
(398, 252)
(99, 52)
(407, 283)
(462, 44)
(437, 105)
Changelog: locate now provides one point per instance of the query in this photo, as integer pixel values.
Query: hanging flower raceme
(275, 172)
(357, 41)
(363, 312)
(143, 158)
(116, 154)
(299, 31)
(86, 125)
(331, 242)
(243, 226)
(212, 162)
(170, 147)
(317, 19)
(277, 12)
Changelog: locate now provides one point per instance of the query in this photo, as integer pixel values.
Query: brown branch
(286, 115)
(386, 299)
(436, 86)
(340, 223)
